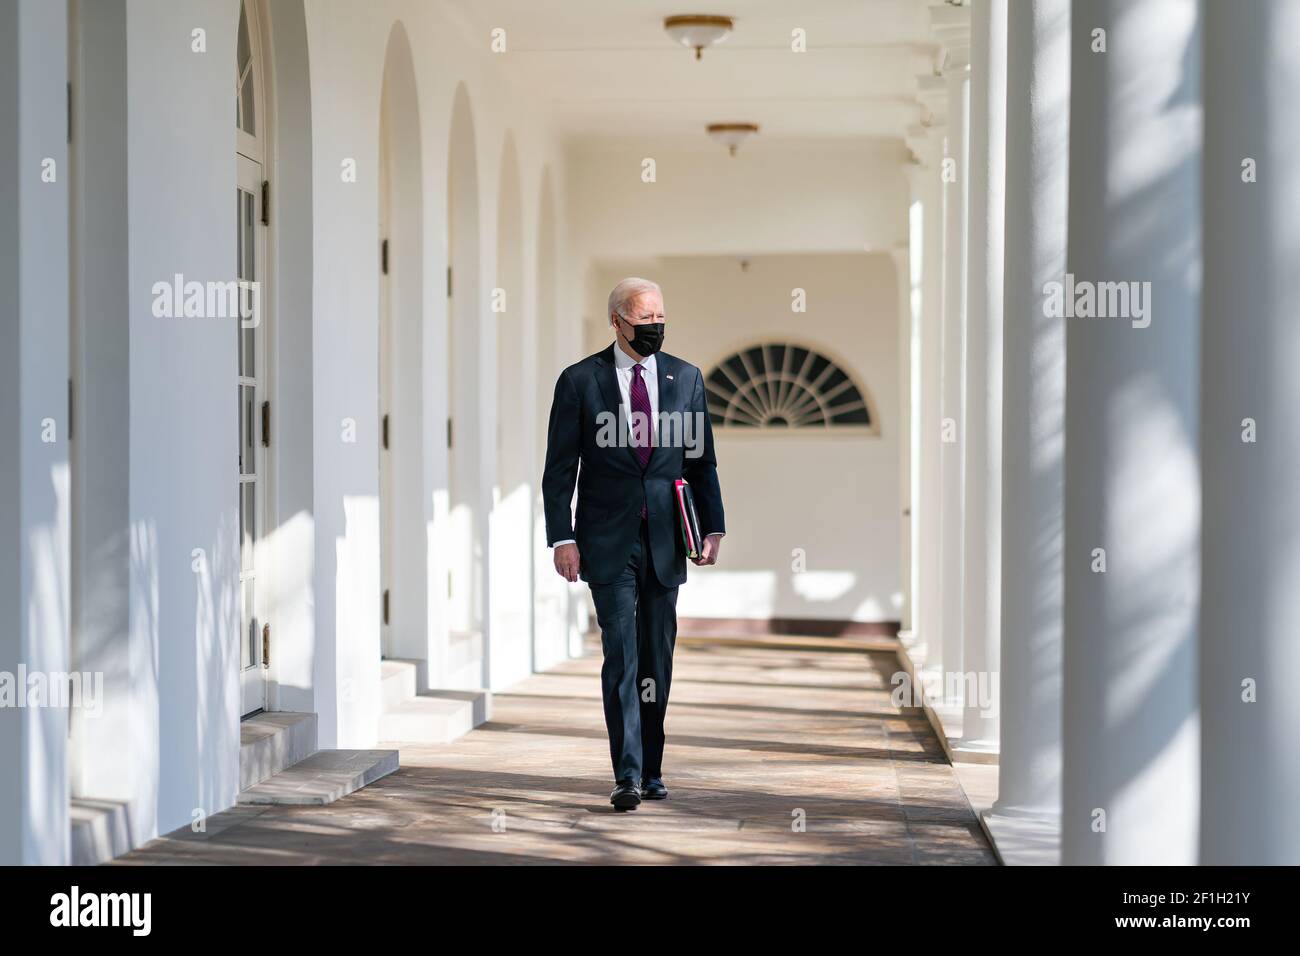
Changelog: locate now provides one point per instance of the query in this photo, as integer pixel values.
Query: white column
(925, 504)
(957, 72)
(1250, 612)
(34, 471)
(1033, 412)
(901, 256)
(982, 541)
(102, 638)
(1131, 753)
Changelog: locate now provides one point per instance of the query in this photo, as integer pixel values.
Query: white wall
(819, 216)
(34, 472)
(347, 44)
(184, 610)
(511, 522)
(175, 666)
(291, 315)
(101, 370)
(835, 495)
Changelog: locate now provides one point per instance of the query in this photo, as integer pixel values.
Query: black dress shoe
(653, 789)
(625, 796)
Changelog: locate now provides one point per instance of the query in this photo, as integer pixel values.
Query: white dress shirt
(623, 364)
(623, 373)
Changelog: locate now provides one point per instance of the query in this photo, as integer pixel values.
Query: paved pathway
(760, 740)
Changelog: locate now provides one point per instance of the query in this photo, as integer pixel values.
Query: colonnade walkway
(776, 754)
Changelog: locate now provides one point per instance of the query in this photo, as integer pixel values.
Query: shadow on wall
(1131, 457)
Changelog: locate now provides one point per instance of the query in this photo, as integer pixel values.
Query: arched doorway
(403, 550)
(464, 663)
(551, 593)
(510, 625)
(252, 156)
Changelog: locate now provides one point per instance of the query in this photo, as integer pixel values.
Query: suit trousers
(638, 630)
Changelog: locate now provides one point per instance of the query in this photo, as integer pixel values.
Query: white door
(385, 420)
(252, 437)
(385, 398)
(254, 360)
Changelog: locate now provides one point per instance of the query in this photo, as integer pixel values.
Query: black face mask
(646, 339)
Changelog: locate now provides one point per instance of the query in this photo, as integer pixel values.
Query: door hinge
(385, 605)
(69, 113)
(266, 202)
(72, 405)
(448, 431)
(449, 282)
(384, 429)
(266, 645)
(266, 424)
(383, 256)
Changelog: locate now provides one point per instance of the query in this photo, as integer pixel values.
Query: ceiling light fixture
(731, 135)
(697, 31)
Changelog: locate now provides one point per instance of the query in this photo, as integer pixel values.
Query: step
(100, 830)
(435, 717)
(322, 778)
(463, 664)
(399, 681)
(270, 742)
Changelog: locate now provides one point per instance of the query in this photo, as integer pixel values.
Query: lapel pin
(670, 378)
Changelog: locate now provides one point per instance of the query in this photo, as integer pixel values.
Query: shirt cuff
(716, 534)
(565, 541)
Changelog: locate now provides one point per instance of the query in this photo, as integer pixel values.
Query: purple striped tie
(640, 398)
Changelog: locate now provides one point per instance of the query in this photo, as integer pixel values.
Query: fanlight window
(784, 386)
(245, 83)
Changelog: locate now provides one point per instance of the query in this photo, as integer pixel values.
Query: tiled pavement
(760, 739)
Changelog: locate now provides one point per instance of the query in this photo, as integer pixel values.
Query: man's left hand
(709, 553)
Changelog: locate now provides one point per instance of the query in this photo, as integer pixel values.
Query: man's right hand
(566, 561)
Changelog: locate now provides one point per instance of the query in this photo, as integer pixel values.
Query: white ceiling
(605, 68)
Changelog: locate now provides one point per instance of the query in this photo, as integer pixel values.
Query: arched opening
(290, 249)
(510, 626)
(551, 593)
(253, 153)
(403, 551)
(465, 661)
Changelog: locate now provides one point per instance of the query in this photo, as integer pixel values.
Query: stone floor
(775, 755)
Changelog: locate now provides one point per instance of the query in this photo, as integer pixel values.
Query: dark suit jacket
(611, 485)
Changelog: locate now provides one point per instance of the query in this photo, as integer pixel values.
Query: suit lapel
(608, 379)
(666, 369)
(667, 382)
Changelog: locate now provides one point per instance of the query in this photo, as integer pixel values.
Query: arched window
(781, 385)
(248, 86)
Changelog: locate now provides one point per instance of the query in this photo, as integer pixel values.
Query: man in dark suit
(636, 420)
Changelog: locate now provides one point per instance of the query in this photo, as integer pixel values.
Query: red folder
(688, 518)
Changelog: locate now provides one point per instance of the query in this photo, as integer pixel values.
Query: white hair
(626, 291)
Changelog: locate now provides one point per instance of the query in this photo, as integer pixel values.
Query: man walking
(636, 420)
